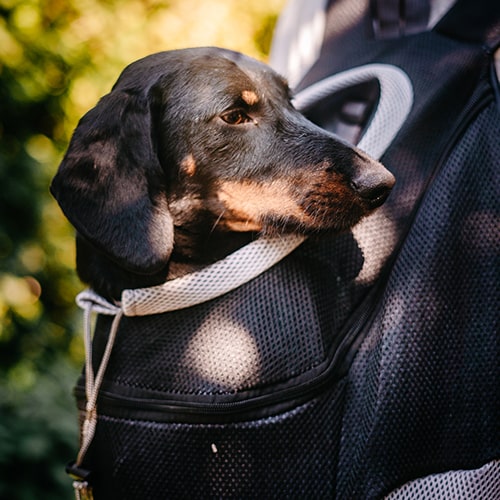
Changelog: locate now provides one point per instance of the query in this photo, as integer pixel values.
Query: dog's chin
(280, 226)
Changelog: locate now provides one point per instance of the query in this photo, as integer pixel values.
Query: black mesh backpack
(357, 367)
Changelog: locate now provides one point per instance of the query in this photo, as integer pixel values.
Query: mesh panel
(481, 483)
(263, 332)
(285, 456)
(423, 391)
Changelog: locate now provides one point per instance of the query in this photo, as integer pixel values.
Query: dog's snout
(373, 185)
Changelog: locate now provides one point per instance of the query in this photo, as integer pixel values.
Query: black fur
(193, 154)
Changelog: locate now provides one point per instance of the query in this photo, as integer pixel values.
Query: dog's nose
(373, 186)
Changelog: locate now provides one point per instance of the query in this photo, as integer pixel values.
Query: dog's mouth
(280, 207)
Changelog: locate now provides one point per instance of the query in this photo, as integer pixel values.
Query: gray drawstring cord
(92, 303)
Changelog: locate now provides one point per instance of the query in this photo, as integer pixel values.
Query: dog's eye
(236, 117)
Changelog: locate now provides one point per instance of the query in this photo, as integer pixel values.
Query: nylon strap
(395, 18)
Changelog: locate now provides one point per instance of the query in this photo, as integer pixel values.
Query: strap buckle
(81, 481)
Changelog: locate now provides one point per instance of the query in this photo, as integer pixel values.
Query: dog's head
(199, 144)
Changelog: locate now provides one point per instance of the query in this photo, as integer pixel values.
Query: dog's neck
(192, 251)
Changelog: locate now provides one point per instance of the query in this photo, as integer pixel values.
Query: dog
(193, 154)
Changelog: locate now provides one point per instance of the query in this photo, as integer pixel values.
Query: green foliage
(56, 59)
(38, 433)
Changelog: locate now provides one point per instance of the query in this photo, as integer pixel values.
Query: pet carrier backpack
(359, 366)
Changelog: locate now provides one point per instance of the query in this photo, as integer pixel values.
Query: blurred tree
(56, 59)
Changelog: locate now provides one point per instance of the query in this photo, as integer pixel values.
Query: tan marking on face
(243, 226)
(188, 165)
(316, 202)
(248, 202)
(250, 97)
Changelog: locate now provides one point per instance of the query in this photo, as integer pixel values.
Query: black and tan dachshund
(193, 154)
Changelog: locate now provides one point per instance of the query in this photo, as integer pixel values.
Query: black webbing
(395, 18)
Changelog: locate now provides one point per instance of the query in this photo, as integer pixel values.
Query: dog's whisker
(215, 224)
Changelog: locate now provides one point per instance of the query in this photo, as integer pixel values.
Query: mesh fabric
(263, 332)
(252, 459)
(423, 389)
(459, 485)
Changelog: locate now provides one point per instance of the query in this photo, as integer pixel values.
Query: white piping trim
(212, 281)
(198, 287)
(396, 101)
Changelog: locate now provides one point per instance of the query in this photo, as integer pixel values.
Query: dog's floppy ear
(111, 186)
